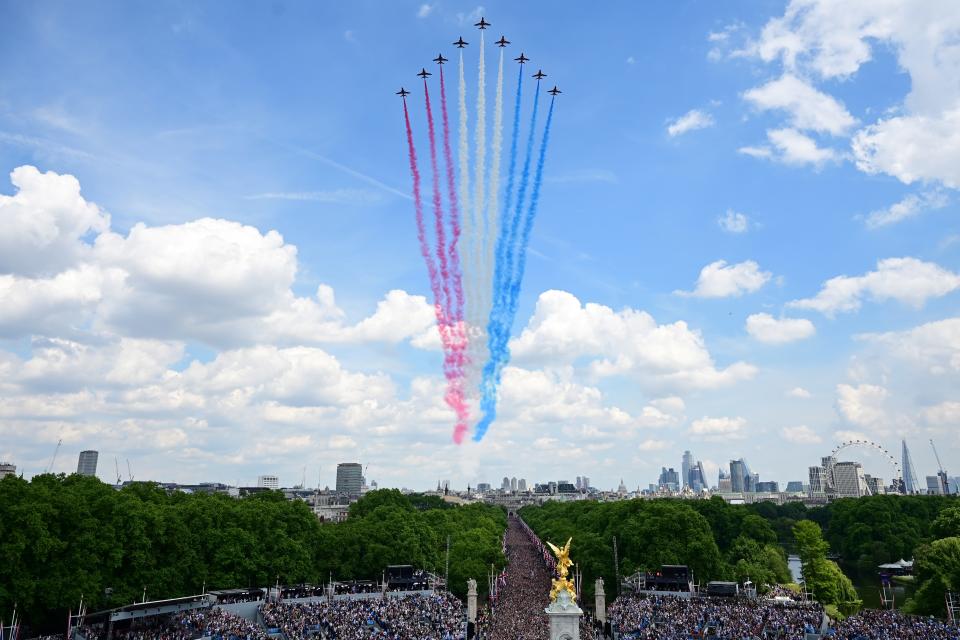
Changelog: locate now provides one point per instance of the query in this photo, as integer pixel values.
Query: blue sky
(801, 130)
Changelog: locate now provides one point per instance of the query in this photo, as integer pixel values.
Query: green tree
(823, 577)
(936, 570)
(763, 564)
(947, 524)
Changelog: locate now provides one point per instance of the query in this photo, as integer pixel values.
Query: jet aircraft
(554, 91)
(539, 74)
(502, 42)
(403, 93)
(424, 73)
(522, 59)
(461, 43)
(483, 24)
(440, 59)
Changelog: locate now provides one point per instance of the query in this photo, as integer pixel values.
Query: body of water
(867, 586)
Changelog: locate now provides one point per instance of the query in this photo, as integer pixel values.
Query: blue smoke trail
(487, 384)
(504, 308)
(502, 247)
(511, 243)
(514, 291)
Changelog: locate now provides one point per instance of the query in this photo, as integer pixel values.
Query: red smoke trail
(438, 214)
(453, 370)
(418, 209)
(456, 274)
(451, 332)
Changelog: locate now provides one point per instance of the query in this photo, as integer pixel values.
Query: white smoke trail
(477, 305)
(468, 231)
(493, 195)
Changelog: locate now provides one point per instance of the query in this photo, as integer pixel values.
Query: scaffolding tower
(953, 607)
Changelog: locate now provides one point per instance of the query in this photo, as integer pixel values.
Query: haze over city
(747, 242)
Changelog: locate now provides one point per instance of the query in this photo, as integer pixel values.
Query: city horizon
(877, 469)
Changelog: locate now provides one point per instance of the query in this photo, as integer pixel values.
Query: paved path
(519, 612)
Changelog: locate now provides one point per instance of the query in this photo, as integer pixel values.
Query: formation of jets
(461, 43)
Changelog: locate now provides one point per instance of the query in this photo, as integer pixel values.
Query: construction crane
(116, 466)
(54, 458)
(943, 474)
(129, 472)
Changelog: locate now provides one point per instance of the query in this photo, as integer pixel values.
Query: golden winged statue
(563, 569)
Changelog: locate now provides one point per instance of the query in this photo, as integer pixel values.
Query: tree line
(63, 536)
(720, 541)
(66, 536)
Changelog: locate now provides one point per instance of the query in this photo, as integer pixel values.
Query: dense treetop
(63, 536)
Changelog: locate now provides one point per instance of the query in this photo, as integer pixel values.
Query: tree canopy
(63, 536)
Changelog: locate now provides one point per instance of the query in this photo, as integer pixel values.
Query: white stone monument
(600, 600)
(564, 617)
(563, 611)
(472, 600)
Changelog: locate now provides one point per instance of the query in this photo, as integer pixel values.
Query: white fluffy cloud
(911, 206)
(806, 107)
(563, 330)
(718, 428)
(204, 278)
(862, 405)
(210, 280)
(690, 121)
(906, 280)
(944, 414)
(933, 347)
(799, 392)
(651, 444)
(734, 222)
(801, 435)
(829, 40)
(720, 280)
(791, 147)
(43, 226)
(912, 148)
(766, 328)
(59, 305)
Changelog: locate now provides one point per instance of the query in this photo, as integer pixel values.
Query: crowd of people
(415, 617)
(517, 612)
(656, 617)
(214, 623)
(872, 624)
(662, 617)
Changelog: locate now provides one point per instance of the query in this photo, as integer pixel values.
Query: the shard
(910, 484)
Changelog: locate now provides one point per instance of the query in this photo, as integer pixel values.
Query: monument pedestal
(564, 617)
(600, 600)
(472, 600)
